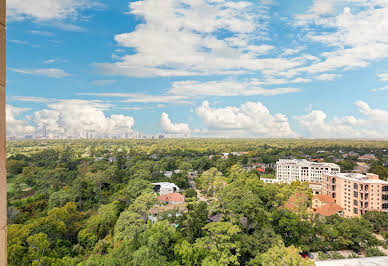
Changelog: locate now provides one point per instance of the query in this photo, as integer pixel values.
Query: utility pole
(3, 176)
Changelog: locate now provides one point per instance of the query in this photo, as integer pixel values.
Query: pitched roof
(171, 197)
(329, 209)
(324, 198)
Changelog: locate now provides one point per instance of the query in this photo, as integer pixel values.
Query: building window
(355, 202)
(361, 187)
(366, 204)
(355, 186)
(385, 206)
(355, 210)
(355, 194)
(385, 196)
(362, 196)
(385, 188)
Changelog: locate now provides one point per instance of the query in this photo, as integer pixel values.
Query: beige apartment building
(356, 193)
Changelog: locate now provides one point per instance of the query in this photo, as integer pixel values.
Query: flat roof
(371, 261)
(359, 178)
(304, 162)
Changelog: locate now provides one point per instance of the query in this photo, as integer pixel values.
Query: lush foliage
(88, 202)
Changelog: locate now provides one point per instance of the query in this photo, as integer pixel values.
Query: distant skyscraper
(44, 131)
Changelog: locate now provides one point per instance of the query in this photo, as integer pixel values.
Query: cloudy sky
(260, 68)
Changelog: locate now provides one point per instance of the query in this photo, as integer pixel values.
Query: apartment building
(288, 171)
(356, 193)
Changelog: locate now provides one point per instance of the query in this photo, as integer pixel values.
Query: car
(310, 255)
(357, 251)
(307, 255)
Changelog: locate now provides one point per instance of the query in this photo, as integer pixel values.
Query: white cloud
(250, 119)
(48, 72)
(328, 76)
(383, 76)
(141, 98)
(44, 10)
(76, 118)
(31, 99)
(225, 88)
(170, 128)
(49, 61)
(372, 124)
(17, 127)
(179, 38)
(68, 118)
(354, 37)
(380, 89)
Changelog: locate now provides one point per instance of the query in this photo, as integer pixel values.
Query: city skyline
(204, 68)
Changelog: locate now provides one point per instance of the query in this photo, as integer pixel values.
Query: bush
(373, 252)
(323, 256)
(190, 193)
(336, 256)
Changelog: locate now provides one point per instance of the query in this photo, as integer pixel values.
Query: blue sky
(261, 68)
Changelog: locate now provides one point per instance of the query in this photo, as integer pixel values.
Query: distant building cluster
(44, 133)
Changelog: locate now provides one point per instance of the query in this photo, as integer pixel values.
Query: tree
(281, 255)
(128, 226)
(220, 243)
(38, 247)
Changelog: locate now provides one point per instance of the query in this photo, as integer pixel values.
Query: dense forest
(88, 202)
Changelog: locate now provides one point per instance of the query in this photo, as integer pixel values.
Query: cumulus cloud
(372, 124)
(15, 126)
(44, 10)
(48, 72)
(197, 48)
(171, 128)
(250, 119)
(70, 118)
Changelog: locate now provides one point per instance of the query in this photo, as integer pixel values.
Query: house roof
(171, 197)
(262, 170)
(324, 198)
(329, 209)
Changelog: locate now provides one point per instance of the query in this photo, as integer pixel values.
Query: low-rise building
(165, 188)
(330, 209)
(158, 212)
(172, 198)
(356, 193)
(321, 200)
(368, 157)
(316, 187)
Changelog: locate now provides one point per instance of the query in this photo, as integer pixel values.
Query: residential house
(165, 188)
(172, 198)
(368, 157)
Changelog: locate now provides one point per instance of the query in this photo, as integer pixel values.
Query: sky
(201, 68)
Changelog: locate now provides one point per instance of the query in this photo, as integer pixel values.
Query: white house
(164, 188)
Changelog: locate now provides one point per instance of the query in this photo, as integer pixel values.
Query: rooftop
(375, 261)
(305, 162)
(172, 197)
(324, 198)
(329, 209)
(359, 178)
